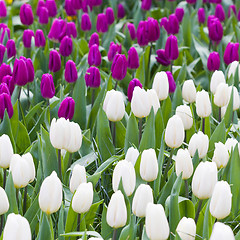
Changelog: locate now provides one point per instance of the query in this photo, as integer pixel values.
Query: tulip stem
(219, 114)
(4, 178)
(114, 234)
(93, 96)
(167, 166)
(19, 93)
(48, 103)
(186, 188)
(114, 133)
(25, 200)
(203, 125)
(140, 130)
(171, 65)
(1, 224)
(198, 210)
(17, 197)
(115, 87)
(78, 222)
(60, 164)
(149, 61)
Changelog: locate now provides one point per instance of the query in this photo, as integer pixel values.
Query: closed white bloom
(78, 177)
(203, 104)
(4, 203)
(142, 197)
(132, 155)
(230, 144)
(149, 165)
(223, 111)
(220, 156)
(221, 200)
(161, 85)
(75, 140)
(186, 229)
(140, 103)
(28, 157)
(117, 211)
(184, 112)
(221, 96)
(184, 164)
(157, 227)
(200, 142)
(153, 98)
(6, 151)
(236, 101)
(17, 227)
(233, 68)
(113, 105)
(174, 134)
(83, 198)
(204, 179)
(221, 231)
(124, 170)
(217, 78)
(50, 195)
(189, 91)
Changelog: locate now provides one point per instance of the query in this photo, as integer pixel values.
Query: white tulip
(78, 177)
(132, 155)
(230, 144)
(4, 203)
(184, 112)
(236, 100)
(220, 156)
(221, 96)
(161, 85)
(233, 68)
(217, 78)
(186, 229)
(50, 195)
(222, 231)
(203, 104)
(28, 157)
(153, 98)
(189, 91)
(6, 151)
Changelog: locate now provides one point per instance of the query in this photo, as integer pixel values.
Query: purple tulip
(171, 48)
(40, 40)
(86, 24)
(110, 15)
(30, 69)
(219, 12)
(201, 15)
(5, 103)
(161, 57)
(232, 8)
(3, 9)
(165, 24)
(43, 15)
(94, 39)
(4, 71)
(191, 1)
(41, 3)
(132, 30)
(52, 8)
(71, 30)
(119, 67)
(133, 59)
(179, 12)
(142, 34)
(4, 88)
(70, 11)
(70, 74)
(58, 30)
(11, 48)
(215, 30)
(92, 77)
(146, 5)
(94, 56)
(121, 11)
(10, 83)
(153, 30)
(238, 16)
(113, 50)
(2, 52)
(20, 72)
(66, 109)
(54, 61)
(215, 1)
(47, 86)
(133, 83)
(213, 62)
(66, 45)
(231, 53)
(96, 2)
(173, 24)
(102, 24)
(27, 38)
(26, 14)
(77, 4)
(5, 31)
(171, 82)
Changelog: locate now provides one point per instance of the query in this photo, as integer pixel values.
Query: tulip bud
(2, 52)
(102, 24)
(221, 200)
(213, 62)
(164, 23)
(83, 198)
(161, 85)
(71, 74)
(142, 33)
(231, 53)
(146, 5)
(65, 48)
(92, 77)
(47, 86)
(77, 4)
(4, 88)
(113, 105)
(132, 30)
(121, 11)
(232, 9)
(3, 9)
(184, 112)
(221, 231)
(149, 165)
(5, 103)
(10, 83)
(204, 180)
(221, 96)
(203, 104)
(71, 30)
(32, 172)
(27, 38)
(220, 156)
(94, 56)
(94, 39)
(219, 12)
(41, 3)
(26, 14)
(236, 100)
(142, 197)
(172, 84)
(113, 50)
(132, 155)
(54, 61)
(171, 48)
(11, 48)
(191, 1)
(117, 211)
(66, 109)
(6, 151)
(4, 201)
(50, 195)
(179, 12)
(230, 144)
(5, 70)
(133, 59)
(133, 83)
(153, 98)
(186, 229)
(78, 177)
(153, 29)
(189, 91)
(124, 171)
(140, 103)
(217, 78)
(43, 15)
(119, 67)
(86, 24)
(58, 30)
(110, 15)
(40, 40)
(52, 8)
(215, 29)
(156, 222)
(161, 57)
(201, 15)
(174, 134)
(233, 68)
(172, 26)
(70, 11)
(16, 227)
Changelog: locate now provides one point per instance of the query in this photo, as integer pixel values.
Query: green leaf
(177, 97)
(229, 112)
(46, 228)
(186, 25)
(128, 231)
(106, 230)
(167, 110)
(186, 207)
(159, 127)
(91, 214)
(120, 134)
(61, 226)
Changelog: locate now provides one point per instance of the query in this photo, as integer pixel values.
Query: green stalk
(60, 164)
(114, 133)
(1, 224)
(203, 125)
(78, 222)
(4, 179)
(219, 114)
(140, 130)
(168, 165)
(186, 188)
(114, 234)
(93, 96)
(198, 211)
(25, 200)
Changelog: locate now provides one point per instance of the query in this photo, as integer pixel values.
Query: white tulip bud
(222, 231)
(4, 203)
(117, 211)
(161, 85)
(203, 104)
(17, 227)
(233, 68)
(113, 106)
(189, 91)
(153, 98)
(28, 157)
(132, 155)
(184, 112)
(204, 180)
(174, 134)
(221, 200)
(140, 103)
(142, 197)
(221, 96)
(83, 198)
(50, 195)
(149, 165)
(78, 177)
(6, 151)
(217, 78)
(157, 226)
(223, 111)
(124, 170)
(186, 229)
(236, 101)
(200, 142)
(184, 164)
(220, 156)
(230, 144)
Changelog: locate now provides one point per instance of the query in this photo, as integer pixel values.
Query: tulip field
(119, 119)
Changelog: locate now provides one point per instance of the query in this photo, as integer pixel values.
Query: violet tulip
(4, 71)
(213, 62)
(132, 30)
(77, 4)
(102, 25)
(52, 8)
(11, 48)
(153, 30)
(171, 82)
(71, 30)
(47, 86)
(238, 16)
(27, 38)
(142, 34)
(172, 25)
(3, 9)
(20, 71)
(5, 103)
(201, 15)
(70, 11)
(119, 67)
(4, 88)
(43, 15)
(179, 12)
(161, 57)
(94, 39)
(10, 82)
(54, 61)
(146, 5)
(66, 46)
(71, 74)
(2, 52)
(165, 24)
(215, 30)
(232, 9)
(92, 77)
(171, 48)
(26, 14)
(231, 53)
(66, 109)
(219, 12)
(40, 40)
(133, 59)
(58, 30)
(121, 11)
(110, 15)
(30, 69)
(133, 83)
(41, 3)
(191, 1)
(86, 24)
(94, 56)
(113, 50)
